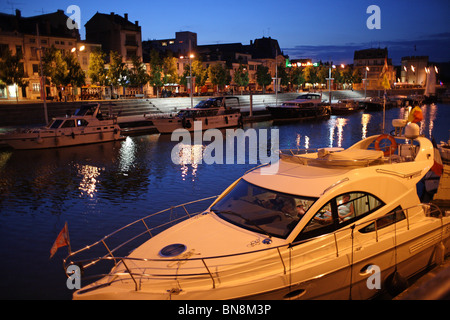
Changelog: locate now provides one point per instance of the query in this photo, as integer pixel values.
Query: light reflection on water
(99, 188)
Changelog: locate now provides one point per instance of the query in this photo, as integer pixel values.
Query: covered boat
(314, 225)
(305, 107)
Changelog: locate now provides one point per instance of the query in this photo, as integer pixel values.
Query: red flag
(62, 240)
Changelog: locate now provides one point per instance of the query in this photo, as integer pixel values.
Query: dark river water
(99, 188)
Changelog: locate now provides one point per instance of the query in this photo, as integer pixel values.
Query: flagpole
(68, 238)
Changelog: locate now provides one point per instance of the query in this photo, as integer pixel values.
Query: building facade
(181, 45)
(115, 33)
(372, 65)
(413, 70)
(30, 36)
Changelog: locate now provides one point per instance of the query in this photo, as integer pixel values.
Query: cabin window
(55, 124)
(340, 211)
(389, 219)
(82, 123)
(68, 124)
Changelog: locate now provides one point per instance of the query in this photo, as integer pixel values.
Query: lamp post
(365, 84)
(330, 79)
(42, 76)
(190, 56)
(77, 50)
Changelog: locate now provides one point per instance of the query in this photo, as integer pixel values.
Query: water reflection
(188, 157)
(127, 155)
(338, 123)
(89, 179)
(365, 119)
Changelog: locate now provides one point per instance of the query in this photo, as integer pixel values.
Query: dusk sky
(321, 30)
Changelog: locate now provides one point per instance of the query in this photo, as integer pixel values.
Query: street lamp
(365, 84)
(330, 79)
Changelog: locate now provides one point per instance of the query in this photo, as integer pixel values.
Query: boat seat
(355, 154)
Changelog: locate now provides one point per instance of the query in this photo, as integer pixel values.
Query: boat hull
(168, 125)
(47, 140)
(295, 114)
(317, 269)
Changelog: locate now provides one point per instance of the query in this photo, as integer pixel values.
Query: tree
(282, 74)
(12, 70)
(62, 69)
(138, 75)
(156, 71)
(218, 75)
(241, 77)
(322, 74)
(263, 77)
(170, 69)
(76, 76)
(200, 73)
(118, 72)
(296, 77)
(310, 74)
(356, 76)
(97, 71)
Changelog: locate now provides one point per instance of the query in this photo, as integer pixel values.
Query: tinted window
(392, 217)
(340, 211)
(68, 124)
(55, 124)
(262, 210)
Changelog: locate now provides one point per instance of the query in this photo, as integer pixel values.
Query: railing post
(131, 275)
(147, 228)
(281, 258)
(212, 278)
(335, 243)
(112, 256)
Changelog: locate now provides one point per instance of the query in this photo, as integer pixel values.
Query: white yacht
(86, 126)
(331, 224)
(214, 113)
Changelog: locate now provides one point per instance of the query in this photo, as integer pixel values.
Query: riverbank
(32, 113)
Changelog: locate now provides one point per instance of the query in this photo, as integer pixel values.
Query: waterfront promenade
(25, 113)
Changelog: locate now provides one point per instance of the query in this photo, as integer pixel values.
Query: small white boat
(305, 107)
(332, 224)
(213, 114)
(86, 126)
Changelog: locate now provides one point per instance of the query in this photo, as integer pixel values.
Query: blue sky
(326, 30)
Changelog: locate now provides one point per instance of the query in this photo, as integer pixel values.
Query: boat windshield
(262, 210)
(210, 103)
(55, 124)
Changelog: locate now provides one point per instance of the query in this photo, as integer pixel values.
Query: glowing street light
(365, 84)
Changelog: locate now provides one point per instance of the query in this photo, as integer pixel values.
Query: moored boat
(345, 107)
(314, 225)
(305, 107)
(86, 126)
(377, 104)
(214, 113)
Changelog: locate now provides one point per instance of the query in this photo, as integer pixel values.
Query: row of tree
(63, 69)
